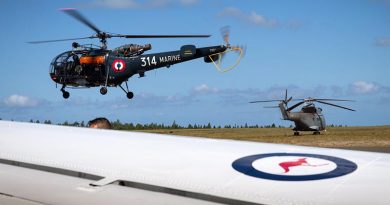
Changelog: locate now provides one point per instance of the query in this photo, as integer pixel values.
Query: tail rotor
(217, 58)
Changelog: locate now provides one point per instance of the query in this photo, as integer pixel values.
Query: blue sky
(312, 48)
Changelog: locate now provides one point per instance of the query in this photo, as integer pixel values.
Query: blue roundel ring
(244, 165)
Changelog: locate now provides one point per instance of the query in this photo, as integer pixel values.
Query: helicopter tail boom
(283, 110)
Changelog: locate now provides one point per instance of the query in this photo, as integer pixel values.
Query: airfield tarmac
(364, 138)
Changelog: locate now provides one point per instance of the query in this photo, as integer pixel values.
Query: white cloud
(204, 89)
(136, 4)
(20, 101)
(116, 3)
(252, 18)
(260, 20)
(363, 87)
(383, 42)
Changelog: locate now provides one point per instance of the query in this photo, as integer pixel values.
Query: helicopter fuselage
(100, 67)
(308, 121)
(310, 118)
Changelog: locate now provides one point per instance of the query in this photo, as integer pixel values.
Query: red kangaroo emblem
(300, 162)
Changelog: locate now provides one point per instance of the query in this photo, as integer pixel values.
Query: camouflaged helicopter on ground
(310, 118)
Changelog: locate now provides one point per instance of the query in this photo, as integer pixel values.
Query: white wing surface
(48, 164)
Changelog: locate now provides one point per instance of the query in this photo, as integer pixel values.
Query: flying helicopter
(309, 118)
(92, 66)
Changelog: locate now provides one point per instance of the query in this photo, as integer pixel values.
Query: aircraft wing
(48, 164)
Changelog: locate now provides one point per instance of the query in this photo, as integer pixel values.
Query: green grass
(361, 138)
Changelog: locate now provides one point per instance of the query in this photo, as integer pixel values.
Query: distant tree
(273, 125)
(174, 125)
(138, 126)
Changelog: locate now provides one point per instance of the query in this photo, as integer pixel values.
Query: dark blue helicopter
(93, 66)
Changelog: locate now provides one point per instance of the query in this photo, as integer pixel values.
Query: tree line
(118, 125)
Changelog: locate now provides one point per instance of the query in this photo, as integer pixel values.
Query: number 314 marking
(146, 61)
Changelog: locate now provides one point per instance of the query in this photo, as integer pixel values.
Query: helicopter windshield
(64, 62)
(309, 109)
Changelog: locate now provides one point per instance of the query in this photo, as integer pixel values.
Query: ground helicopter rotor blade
(160, 36)
(58, 40)
(75, 14)
(262, 101)
(335, 105)
(294, 106)
(285, 97)
(330, 99)
(271, 106)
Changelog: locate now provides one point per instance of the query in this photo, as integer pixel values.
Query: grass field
(373, 138)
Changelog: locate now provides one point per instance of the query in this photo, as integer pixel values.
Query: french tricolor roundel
(118, 65)
(293, 166)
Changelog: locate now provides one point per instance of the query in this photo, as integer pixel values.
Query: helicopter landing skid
(129, 94)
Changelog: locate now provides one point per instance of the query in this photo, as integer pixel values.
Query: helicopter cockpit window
(309, 109)
(66, 63)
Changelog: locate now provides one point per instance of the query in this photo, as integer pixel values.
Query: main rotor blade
(285, 96)
(262, 101)
(329, 99)
(68, 39)
(271, 106)
(161, 36)
(294, 106)
(335, 105)
(74, 13)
